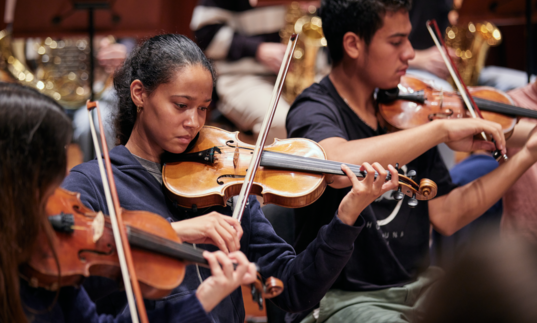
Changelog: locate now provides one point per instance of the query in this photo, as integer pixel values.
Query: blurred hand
(224, 279)
(366, 191)
(214, 228)
(431, 60)
(111, 56)
(271, 55)
(461, 134)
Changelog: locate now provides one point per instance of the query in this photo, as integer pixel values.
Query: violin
(415, 102)
(292, 172)
(85, 246)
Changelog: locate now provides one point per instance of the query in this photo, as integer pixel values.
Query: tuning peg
(398, 195)
(413, 202)
(411, 174)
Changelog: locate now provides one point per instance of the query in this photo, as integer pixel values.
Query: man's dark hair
(362, 17)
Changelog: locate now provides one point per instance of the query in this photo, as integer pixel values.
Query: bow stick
(262, 138)
(454, 72)
(120, 236)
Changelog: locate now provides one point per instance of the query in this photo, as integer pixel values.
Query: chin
(177, 149)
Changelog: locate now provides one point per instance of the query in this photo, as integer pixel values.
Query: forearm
(461, 206)
(399, 147)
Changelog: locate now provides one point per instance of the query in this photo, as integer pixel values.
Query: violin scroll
(269, 288)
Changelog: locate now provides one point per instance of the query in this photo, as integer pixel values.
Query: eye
(204, 108)
(181, 105)
(396, 44)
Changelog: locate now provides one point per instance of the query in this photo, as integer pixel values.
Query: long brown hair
(33, 134)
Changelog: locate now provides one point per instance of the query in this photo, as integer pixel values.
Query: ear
(137, 93)
(352, 45)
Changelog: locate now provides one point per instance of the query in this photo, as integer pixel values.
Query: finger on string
(370, 177)
(242, 263)
(394, 180)
(381, 171)
(350, 174)
(214, 265)
(226, 263)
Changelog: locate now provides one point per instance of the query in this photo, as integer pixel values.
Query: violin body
(85, 246)
(400, 114)
(291, 172)
(208, 184)
(90, 250)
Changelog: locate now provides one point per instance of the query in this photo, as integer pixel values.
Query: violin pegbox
(425, 191)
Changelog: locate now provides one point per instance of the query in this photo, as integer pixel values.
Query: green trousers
(397, 304)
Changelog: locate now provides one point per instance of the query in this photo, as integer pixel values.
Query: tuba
(304, 65)
(58, 68)
(471, 44)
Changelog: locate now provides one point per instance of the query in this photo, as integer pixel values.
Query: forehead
(395, 23)
(190, 78)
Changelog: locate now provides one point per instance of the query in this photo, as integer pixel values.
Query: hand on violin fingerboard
(366, 191)
(225, 277)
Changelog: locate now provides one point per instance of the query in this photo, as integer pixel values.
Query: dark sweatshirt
(306, 277)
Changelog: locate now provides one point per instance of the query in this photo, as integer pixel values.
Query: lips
(184, 139)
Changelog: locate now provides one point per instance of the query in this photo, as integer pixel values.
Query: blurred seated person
(244, 44)
(519, 202)
(428, 63)
(495, 281)
(110, 56)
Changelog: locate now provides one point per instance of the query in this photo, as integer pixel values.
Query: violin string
(501, 107)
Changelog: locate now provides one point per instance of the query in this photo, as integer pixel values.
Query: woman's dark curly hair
(153, 63)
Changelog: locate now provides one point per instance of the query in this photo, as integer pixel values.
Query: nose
(192, 119)
(408, 53)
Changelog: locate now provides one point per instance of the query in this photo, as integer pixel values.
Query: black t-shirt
(384, 255)
(423, 10)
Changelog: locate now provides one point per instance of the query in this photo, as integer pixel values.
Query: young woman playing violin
(164, 91)
(369, 46)
(33, 134)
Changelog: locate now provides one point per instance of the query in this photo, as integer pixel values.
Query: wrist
(206, 302)
(349, 218)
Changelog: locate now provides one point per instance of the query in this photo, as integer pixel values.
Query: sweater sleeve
(90, 194)
(307, 276)
(77, 307)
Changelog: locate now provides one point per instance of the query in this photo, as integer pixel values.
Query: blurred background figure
(244, 44)
(494, 281)
(428, 63)
(520, 204)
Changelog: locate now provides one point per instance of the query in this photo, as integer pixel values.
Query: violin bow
(120, 236)
(262, 138)
(454, 72)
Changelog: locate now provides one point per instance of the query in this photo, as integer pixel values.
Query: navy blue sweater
(306, 277)
(74, 306)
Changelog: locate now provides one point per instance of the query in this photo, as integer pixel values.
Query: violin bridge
(98, 226)
(236, 156)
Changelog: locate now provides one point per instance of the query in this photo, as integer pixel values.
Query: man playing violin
(164, 91)
(388, 274)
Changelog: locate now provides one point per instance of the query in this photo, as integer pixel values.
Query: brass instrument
(471, 43)
(58, 68)
(303, 68)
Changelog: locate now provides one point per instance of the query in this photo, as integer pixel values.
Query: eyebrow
(398, 35)
(189, 97)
